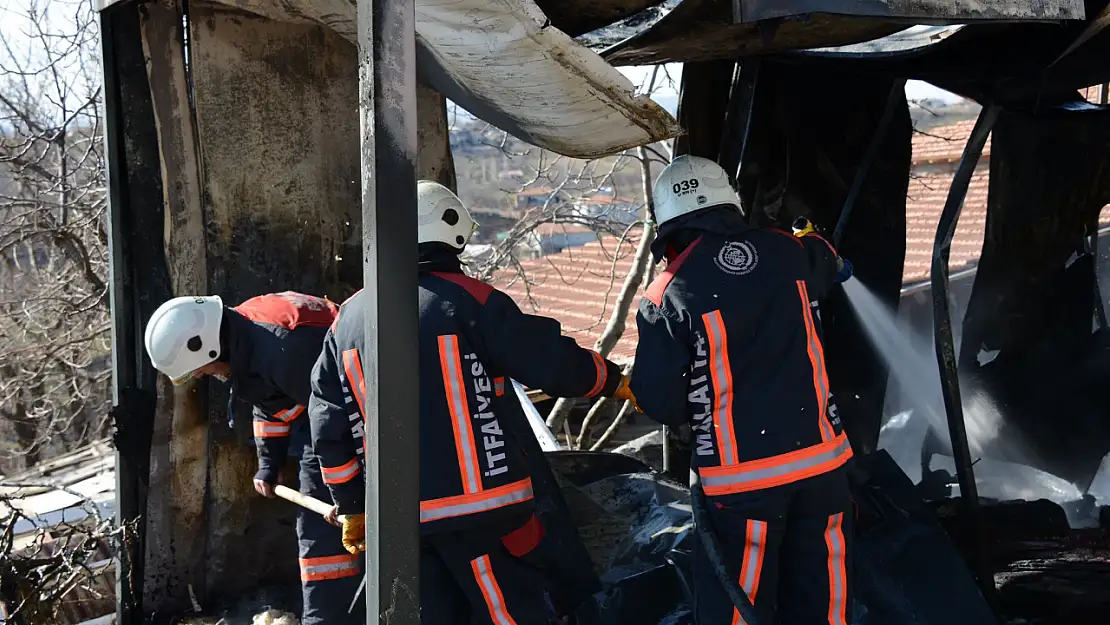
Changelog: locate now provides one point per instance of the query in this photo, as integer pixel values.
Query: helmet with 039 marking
(691, 183)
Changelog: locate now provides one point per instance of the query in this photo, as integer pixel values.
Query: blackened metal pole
(387, 112)
(946, 352)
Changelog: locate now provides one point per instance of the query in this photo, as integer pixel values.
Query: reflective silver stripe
(490, 591)
(758, 474)
(837, 600)
(813, 343)
(756, 540)
(316, 569)
(755, 554)
(459, 411)
(719, 362)
(338, 477)
(289, 414)
(490, 503)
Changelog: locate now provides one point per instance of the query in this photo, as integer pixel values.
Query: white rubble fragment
(275, 617)
(986, 356)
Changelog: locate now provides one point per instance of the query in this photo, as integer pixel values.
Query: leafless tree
(561, 191)
(54, 330)
(50, 571)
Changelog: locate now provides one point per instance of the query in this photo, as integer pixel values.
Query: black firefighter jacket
(472, 339)
(727, 343)
(273, 341)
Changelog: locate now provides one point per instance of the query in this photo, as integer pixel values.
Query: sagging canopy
(514, 63)
(499, 58)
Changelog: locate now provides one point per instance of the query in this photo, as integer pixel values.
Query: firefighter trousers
(470, 578)
(788, 547)
(329, 575)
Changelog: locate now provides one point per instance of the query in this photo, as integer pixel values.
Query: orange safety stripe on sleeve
(721, 373)
(352, 365)
(838, 577)
(602, 374)
(489, 499)
(499, 386)
(289, 414)
(755, 547)
(341, 474)
(266, 429)
(776, 470)
(491, 591)
(455, 387)
(330, 567)
(817, 363)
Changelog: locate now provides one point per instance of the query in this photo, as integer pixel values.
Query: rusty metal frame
(387, 109)
(946, 352)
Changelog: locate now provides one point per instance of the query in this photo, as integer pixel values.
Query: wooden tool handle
(302, 500)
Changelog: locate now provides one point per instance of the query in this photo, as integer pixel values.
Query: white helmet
(183, 335)
(691, 183)
(441, 216)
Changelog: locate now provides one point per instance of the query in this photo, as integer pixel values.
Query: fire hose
(714, 553)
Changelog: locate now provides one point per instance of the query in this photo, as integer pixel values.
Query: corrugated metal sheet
(503, 61)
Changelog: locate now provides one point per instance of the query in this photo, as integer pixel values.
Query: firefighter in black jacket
(265, 349)
(727, 344)
(476, 502)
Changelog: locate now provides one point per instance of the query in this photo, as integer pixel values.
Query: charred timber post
(387, 113)
(896, 90)
(946, 353)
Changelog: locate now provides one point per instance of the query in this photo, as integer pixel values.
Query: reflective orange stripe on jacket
(266, 429)
(455, 386)
(720, 371)
(352, 365)
(289, 414)
(329, 567)
(490, 499)
(776, 470)
(341, 474)
(817, 360)
(602, 374)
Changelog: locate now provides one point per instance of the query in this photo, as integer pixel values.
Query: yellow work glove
(624, 393)
(354, 532)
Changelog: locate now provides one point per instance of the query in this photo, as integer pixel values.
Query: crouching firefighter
(727, 344)
(477, 513)
(265, 348)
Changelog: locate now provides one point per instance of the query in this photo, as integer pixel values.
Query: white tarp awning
(503, 62)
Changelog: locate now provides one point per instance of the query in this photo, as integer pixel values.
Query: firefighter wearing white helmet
(479, 533)
(265, 348)
(441, 216)
(728, 346)
(690, 184)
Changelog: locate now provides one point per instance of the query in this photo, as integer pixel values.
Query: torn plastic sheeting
(503, 62)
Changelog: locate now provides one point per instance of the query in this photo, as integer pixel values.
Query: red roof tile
(943, 144)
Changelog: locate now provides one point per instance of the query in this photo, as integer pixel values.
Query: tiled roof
(924, 202)
(579, 286)
(943, 144)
